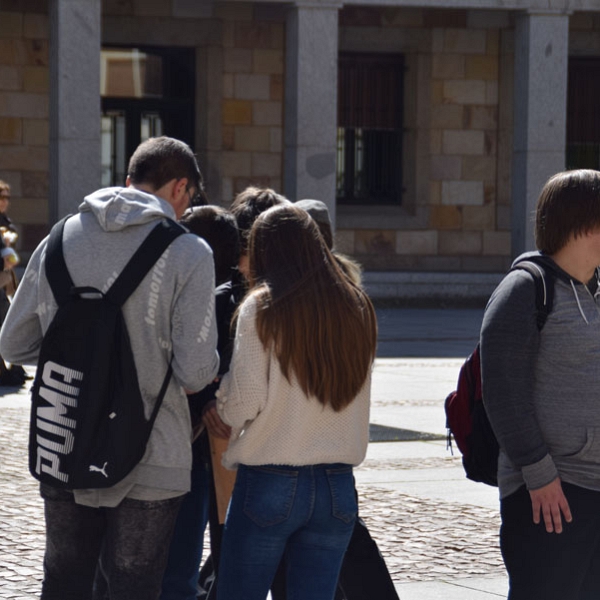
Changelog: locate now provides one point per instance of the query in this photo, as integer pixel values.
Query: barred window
(583, 114)
(370, 129)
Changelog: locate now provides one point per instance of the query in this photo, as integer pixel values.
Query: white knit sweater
(273, 421)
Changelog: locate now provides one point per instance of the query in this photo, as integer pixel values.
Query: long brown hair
(321, 325)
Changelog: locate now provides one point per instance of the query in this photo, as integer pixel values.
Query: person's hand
(549, 501)
(212, 420)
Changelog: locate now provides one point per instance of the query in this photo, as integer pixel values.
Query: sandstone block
(266, 163)
(463, 142)
(36, 26)
(458, 193)
(252, 87)
(26, 105)
(253, 139)
(496, 243)
(445, 217)
(35, 184)
(344, 241)
(380, 241)
(237, 60)
(480, 117)
(11, 130)
(267, 113)
(11, 78)
(445, 167)
(491, 92)
(254, 35)
(478, 168)
(275, 139)
(228, 85)
(236, 164)
(417, 242)
(237, 112)
(11, 24)
(435, 192)
(268, 61)
(276, 92)
(447, 116)
(453, 243)
(36, 79)
(482, 67)
(466, 91)
(24, 158)
(228, 137)
(448, 66)
(479, 218)
(465, 41)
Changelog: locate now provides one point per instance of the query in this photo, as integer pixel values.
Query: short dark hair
(249, 204)
(159, 160)
(569, 205)
(218, 228)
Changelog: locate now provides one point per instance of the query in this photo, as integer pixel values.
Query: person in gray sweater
(541, 390)
(122, 533)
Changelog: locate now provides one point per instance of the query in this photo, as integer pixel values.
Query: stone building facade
(481, 121)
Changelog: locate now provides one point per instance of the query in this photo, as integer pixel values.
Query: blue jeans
(302, 514)
(180, 581)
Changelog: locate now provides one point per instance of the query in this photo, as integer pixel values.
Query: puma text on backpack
(88, 426)
(466, 419)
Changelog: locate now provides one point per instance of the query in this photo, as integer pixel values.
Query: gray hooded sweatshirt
(541, 389)
(171, 314)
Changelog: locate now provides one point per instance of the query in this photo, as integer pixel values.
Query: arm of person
(243, 391)
(509, 345)
(194, 328)
(22, 332)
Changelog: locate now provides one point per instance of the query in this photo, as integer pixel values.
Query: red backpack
(466, 419)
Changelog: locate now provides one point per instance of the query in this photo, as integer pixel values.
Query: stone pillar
(540, 115)
(74, 103)
(311, 102)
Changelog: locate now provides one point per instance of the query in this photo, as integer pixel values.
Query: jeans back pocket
(343, 494)
(270, 493)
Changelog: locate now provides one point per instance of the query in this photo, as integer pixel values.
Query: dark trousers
(125, 547)
(550, 566)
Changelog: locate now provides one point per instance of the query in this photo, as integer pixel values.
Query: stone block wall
(24, 124)
(252, 102)
(449, 221)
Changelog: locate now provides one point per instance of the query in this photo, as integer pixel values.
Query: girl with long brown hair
(297, 398)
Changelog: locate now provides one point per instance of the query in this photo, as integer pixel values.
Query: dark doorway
(146, 92)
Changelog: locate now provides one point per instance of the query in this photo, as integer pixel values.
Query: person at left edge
(123, 532)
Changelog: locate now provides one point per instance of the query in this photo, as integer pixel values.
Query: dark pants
(550, 566)
(128, 546)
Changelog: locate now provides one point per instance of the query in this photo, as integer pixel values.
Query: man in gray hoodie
(120, 535)
(541, 390)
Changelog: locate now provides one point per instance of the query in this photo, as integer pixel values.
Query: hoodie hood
(547, 262)
(117, 208)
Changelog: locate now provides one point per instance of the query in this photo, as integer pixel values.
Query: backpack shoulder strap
(143, 260)
(56, 270)
(544, 287)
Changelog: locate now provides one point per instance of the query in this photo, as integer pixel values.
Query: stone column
(540, 115)
(74, 103)
(311, 102)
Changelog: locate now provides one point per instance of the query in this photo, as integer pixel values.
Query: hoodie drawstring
(578, 302)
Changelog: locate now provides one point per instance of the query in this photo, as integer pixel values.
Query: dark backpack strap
(56, 268)
(143, 260)
(544, 288)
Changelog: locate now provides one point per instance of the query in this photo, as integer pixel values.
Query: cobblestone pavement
(420, 539)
